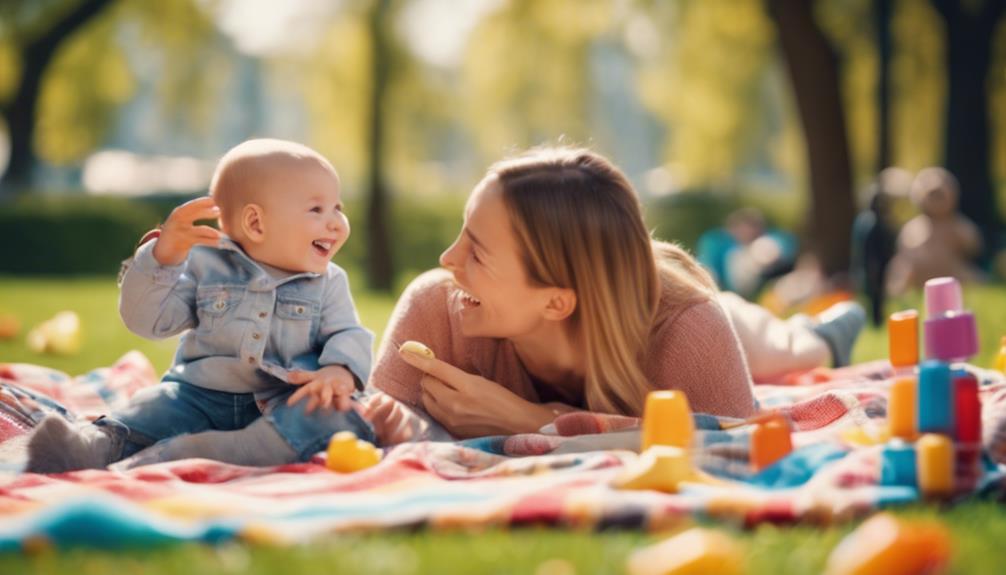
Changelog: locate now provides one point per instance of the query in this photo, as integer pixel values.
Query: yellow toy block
(663, 468)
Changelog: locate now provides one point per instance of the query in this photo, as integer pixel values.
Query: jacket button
(300, 309)
(263, 314)
(256, 335)
(251, 360)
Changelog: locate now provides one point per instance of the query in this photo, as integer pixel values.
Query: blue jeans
(174, 408)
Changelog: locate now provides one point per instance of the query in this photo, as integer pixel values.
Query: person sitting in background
(745, 254)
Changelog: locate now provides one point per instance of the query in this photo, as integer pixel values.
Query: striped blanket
(560, 478)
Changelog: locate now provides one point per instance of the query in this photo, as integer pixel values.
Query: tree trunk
(380, 273)
(813, 71)
(882, 10)
(969, 38)
(20, 112)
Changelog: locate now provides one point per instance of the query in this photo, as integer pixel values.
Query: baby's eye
(316, 210)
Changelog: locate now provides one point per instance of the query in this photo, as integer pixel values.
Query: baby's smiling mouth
(323, 247)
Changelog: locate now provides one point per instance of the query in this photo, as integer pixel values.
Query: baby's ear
(252, 222)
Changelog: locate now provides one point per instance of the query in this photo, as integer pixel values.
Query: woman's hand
(468, 405)
(393, 421)
(180, 232)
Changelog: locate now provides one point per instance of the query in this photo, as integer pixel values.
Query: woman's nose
(447, 258)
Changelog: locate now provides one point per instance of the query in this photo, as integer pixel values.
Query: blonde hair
(580, 226)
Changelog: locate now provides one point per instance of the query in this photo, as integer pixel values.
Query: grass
(977, 527)
(105, 338)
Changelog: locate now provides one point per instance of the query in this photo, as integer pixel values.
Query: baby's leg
(154, 413)
(309, 433)
(258, 444)
(58, 445)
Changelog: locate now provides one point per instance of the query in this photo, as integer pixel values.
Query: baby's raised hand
(330, 386)
(180, 232)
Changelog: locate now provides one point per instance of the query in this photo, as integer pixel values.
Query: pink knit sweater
(695, 350)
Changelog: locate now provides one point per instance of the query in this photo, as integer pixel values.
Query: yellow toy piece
(663, 468)
(865, 436)
(935, 465)
(347, 454)
(1000, 362)
(884, 545)
(59, 335)
(694, 552)
(417, 348)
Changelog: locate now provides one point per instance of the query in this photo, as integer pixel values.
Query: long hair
(580, 226)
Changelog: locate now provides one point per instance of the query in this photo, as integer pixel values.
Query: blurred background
(114, 111)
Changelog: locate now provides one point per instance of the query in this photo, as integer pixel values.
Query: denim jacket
(247, 329)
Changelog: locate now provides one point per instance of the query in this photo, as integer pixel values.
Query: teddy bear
(937, 242)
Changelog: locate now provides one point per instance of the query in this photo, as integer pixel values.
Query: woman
(555, 298)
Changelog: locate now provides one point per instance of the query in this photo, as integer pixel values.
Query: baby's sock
(839, 326)
(57, 445)
(258, 444)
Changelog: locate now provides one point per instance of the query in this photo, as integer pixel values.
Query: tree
(704, 74)
(970, 31)
(37, 53)
(814, 74)
(380, 270)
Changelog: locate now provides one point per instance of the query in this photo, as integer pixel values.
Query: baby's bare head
(262, 172)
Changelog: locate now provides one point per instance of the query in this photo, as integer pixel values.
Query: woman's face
(485, 260)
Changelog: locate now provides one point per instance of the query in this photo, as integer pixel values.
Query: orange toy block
(694, 552)
(667, 420)
(901, 408)
(770, 442)
(903, 338)
(884, 545)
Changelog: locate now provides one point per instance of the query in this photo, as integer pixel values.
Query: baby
(273, 333)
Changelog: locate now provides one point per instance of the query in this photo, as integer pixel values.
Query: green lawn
(105, 339)
(978, 528)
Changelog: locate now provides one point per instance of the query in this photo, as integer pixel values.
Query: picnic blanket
(560, 478)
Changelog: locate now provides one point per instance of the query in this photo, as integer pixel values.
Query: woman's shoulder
(679, 314)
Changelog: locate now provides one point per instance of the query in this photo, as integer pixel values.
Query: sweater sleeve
(697, 351)
(421, 314)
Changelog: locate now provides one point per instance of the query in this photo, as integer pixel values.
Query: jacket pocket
(214, 303)
(296, 319)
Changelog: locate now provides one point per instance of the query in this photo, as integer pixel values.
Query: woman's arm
(421, 315)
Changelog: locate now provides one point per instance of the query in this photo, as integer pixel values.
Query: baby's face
(304, 223)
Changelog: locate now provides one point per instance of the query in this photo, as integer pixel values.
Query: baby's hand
(179, 232)
(330, 386)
